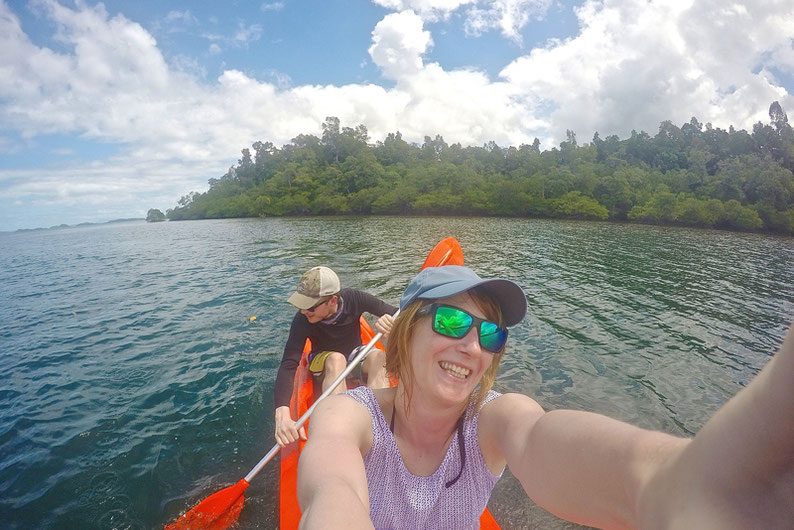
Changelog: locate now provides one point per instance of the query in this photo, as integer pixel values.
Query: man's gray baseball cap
(314, 285)
(440, 282)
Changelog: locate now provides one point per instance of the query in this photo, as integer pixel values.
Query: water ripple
(133, 381)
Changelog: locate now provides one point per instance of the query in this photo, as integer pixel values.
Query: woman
(427, 453)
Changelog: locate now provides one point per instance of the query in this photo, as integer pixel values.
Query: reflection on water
(133, 382)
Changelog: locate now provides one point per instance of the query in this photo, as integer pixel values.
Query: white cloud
(114, 62)
(113, 85)
(282, 80)
(241, 38)
(272, 6)
(188, 65)
(508, 16)
(633, 64)
(173, 23)
(636, 63)
(246, 34)
(398, 43)
(184, 17)
(461, 105)
(428, 9)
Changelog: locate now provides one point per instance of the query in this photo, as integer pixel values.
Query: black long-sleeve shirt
(343, 336)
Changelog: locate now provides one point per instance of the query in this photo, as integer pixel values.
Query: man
(329, 316)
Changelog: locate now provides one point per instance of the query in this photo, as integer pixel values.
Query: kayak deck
(301, 400)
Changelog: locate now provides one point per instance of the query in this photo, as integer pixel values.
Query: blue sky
(107, 110)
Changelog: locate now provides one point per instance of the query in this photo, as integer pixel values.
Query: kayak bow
(302, 398)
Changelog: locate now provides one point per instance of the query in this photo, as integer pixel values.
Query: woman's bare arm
(332, 482)
(738, 472)
(583, 467)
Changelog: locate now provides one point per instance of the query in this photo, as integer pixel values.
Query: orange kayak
(301, 400)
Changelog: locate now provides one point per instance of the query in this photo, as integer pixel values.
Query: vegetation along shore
(693, 175)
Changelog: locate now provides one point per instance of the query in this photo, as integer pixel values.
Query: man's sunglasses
(318, 304)
(454, 322)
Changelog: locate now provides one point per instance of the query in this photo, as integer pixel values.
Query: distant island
(155, 216)
(692, 175)
(62, 226)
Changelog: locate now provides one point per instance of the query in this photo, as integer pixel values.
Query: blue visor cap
(440, 282)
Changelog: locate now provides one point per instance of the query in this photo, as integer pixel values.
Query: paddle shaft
(358, 359)
(221, 509)
(350, 367)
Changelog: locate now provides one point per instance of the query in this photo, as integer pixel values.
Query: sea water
(137, 360)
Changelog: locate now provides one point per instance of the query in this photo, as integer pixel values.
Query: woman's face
(445, 367)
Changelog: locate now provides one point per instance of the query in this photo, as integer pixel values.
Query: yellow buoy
(252, 319)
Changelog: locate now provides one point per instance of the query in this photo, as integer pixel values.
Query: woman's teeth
(455, 370)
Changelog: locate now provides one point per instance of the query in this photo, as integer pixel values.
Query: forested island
(693, 175)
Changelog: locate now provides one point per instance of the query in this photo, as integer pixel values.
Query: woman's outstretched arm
(582, 467)
(332, 482)
(738, 472)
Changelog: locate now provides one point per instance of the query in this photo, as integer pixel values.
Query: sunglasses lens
(451, 322)
(315, 306)
(492, 337)
(455, 323)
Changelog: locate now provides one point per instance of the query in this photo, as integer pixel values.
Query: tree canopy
(693, 175)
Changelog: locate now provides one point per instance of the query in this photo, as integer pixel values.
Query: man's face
(321, 310)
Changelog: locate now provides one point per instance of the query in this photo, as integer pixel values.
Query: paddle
(221, 509)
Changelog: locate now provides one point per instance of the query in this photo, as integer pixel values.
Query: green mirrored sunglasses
(454, 322)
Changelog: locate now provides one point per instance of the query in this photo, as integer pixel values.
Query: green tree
(328, 202)
(737, 217)
(776, 220)
(360, 171)
(694, 175)
(690, 211)
(574, 205)
(660, 208)
(433, 149)
(768, 182)
(394, 150)
(669, 148)
(615, 194)
(509, 198)
(332, 138)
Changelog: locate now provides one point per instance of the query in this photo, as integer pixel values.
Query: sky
(109, 109)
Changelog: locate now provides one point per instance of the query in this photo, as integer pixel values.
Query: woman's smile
(455, 370)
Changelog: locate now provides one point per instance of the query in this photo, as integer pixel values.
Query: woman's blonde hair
(398, 347)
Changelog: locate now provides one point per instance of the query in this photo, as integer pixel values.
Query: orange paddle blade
(446, 252)
(217, 512)
(487, 522)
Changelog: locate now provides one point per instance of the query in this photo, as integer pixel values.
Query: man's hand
(286, 432)
(384, 324)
